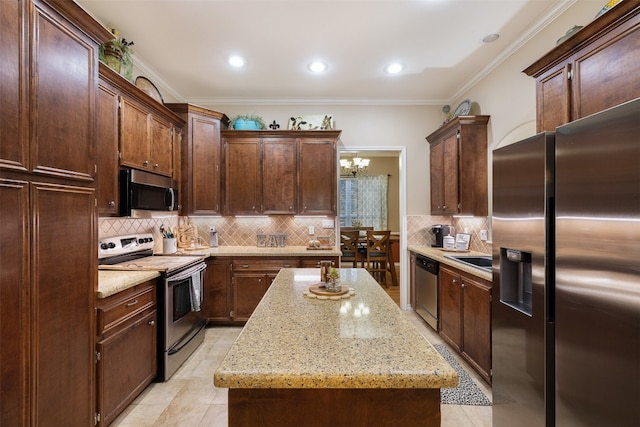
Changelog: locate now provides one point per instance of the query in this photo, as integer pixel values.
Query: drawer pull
(287, 266)
(245, 265)
(132, 303)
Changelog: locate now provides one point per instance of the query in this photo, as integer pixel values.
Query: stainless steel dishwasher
(426, 276)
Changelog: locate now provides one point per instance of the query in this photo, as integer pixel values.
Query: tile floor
(189, 398)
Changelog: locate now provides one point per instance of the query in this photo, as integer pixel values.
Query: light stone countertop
(439, 255)
(292, 341)
(227, 251)
(111, 282)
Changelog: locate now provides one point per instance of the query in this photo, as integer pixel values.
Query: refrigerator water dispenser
(515, 280)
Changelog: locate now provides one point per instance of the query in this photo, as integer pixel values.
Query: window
(348, 201)
(364, 200)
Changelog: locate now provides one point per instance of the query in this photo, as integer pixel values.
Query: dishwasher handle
(428, 264)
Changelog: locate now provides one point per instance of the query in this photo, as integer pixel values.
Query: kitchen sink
(481, 262)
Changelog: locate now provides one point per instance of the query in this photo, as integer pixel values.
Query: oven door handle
(188, 272)
(186, 339)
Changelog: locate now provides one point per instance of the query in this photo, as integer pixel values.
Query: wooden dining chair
(377, 254)
(349, 247)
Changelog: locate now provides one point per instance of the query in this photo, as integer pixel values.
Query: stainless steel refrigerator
(566, 275)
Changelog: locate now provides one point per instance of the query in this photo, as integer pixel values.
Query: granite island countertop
(362, 342)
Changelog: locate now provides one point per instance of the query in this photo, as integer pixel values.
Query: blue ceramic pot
(241, 124)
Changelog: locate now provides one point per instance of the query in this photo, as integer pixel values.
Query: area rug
(467, 392)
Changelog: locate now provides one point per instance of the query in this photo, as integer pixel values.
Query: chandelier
(356, 166)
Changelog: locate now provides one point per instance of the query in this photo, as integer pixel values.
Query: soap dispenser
(213, 237)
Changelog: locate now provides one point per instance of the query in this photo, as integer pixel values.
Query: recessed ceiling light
(318, 66)
(236, 61)
(491, 38)
(394, 68)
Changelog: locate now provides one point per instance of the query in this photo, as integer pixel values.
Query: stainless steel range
(182, 324)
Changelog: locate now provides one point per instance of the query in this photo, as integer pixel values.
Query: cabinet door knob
(146, 162)
(112, 203)
(156, 165)
(152, 322)
(454, 281)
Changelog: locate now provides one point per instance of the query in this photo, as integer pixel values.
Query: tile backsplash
(242, 231)
(232, 231)
(419, 230)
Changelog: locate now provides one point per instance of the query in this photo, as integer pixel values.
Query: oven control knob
(112, 245)
(104, 246)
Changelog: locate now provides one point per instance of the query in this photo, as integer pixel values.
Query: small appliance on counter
(213, 237)
(440, 231)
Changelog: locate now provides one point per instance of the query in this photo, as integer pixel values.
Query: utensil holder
(169, 245)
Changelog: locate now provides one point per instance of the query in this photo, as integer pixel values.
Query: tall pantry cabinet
(48, 271)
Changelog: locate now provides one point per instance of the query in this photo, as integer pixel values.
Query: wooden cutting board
(316, 289)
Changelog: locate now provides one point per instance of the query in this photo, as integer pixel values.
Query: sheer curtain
(372, 201)
(363, 201)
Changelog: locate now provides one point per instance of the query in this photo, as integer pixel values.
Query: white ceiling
(183, 45)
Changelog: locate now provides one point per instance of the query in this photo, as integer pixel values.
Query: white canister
(448, 242)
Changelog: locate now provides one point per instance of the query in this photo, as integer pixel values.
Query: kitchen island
(354, 361)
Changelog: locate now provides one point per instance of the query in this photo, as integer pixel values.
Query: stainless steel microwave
(141, 190)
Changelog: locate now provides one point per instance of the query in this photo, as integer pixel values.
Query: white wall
(371, 126)
(506, 94)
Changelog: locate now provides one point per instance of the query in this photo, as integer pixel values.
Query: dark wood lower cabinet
(234, 286)
(451, 308)
(126, 348)
(251, 279)
(216, 304)
(465, 317)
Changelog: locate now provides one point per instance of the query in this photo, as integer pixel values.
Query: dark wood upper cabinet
(317, 176)
(14, 107)
(146, 139)
(201, 159)
(279, 176)
(595, 69)
(64, 63)
(458, 167)
(242, 176)
(280, 172)
(133, 130)
(108, 143)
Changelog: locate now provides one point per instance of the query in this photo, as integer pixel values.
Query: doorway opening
(391, 161)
